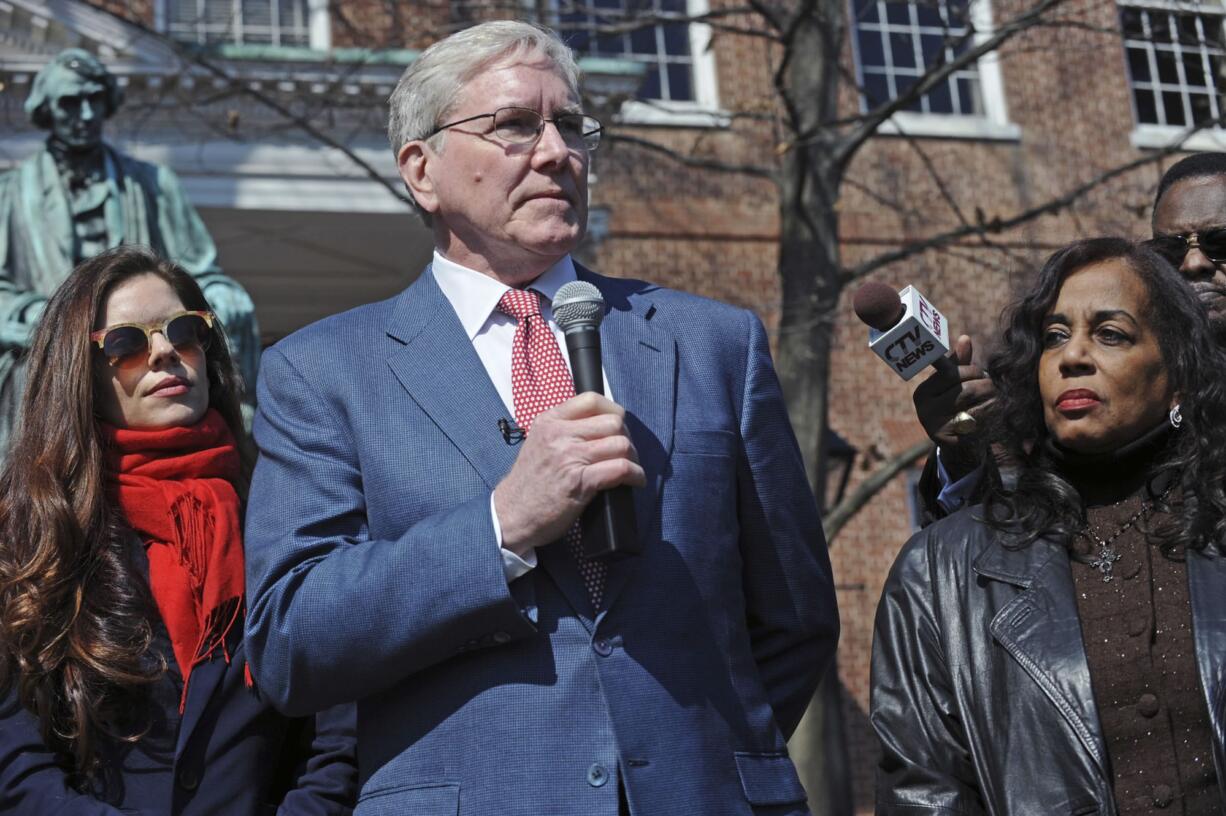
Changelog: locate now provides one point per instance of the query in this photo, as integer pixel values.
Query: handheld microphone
(905, 330)
(608, 522)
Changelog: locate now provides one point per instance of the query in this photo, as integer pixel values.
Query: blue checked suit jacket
(374, 573)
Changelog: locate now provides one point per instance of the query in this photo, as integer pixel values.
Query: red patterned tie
(539, 381)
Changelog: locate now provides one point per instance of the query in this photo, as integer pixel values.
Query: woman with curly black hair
(123, 678)
(1062, 647)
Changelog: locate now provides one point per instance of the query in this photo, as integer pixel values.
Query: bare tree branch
(194, 57)
(849, 144)
(615, 21)
(942, 187)
(892, 204)
(770, 15)
(698, 162)
(787, 39)
(302, 123)
(998, 225)
(974, 256)
(870, 487)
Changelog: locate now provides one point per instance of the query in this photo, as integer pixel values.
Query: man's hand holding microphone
(578, 461)
(576, 450)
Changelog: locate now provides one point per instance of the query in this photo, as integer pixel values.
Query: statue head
(72, 96)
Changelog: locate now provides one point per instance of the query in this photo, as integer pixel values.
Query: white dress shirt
(475, 296)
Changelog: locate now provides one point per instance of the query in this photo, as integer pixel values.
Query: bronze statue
(78, 196)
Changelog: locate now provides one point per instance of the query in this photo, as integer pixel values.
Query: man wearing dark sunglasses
(1189, 230)
(1189, 226)
(408, 549)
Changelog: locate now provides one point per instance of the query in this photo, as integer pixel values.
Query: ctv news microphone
(609, 531)
(905, 330)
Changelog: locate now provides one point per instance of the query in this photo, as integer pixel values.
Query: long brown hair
(74, 629)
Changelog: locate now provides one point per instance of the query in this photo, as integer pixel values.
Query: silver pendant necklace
(1106, 557)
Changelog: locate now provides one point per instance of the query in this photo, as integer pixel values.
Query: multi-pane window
(1174, 62)
(897, 43)
(261, 22)
(612, 28)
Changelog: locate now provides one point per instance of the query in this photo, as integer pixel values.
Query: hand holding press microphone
(909, 334)
(906, 331)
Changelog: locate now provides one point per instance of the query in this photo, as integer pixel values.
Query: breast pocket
(715, 442)
(436, 799)
(702, 478)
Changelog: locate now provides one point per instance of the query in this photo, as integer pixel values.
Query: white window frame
(992, 124)
(1147, 135)
(319, 25)
(703, 110)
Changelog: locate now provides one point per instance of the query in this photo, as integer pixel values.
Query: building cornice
(33, 31)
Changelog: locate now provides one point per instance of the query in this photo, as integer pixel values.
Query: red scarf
(175, 487)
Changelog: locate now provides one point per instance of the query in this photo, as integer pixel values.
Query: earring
(1176, 417)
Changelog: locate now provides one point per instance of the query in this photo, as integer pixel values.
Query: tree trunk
(811, 281)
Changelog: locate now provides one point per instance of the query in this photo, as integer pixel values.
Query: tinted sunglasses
(126, 343)
(1212, 242)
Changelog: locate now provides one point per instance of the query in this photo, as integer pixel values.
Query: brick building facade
(1055, 108)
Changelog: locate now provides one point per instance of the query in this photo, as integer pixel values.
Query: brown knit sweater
(1137, 629)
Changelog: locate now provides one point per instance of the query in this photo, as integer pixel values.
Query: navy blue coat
(374, 572)
(231, 754)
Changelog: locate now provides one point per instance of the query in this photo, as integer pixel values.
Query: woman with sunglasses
(121, 571)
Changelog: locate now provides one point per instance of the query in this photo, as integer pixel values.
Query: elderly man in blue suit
(402, 554)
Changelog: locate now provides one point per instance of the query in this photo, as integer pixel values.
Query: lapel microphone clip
(512, 434)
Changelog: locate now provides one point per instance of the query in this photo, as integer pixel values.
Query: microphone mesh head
(578, 304)
(878, 306)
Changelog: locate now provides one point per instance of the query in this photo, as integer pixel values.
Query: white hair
(429, 88)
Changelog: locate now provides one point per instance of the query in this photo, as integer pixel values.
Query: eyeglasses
(1212, 242)
(128, 343)
(524, 126)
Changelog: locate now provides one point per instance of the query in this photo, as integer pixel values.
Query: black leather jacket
(981, 691)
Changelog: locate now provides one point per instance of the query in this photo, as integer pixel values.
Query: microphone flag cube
(916, 341)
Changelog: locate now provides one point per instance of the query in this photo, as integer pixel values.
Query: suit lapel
(441, 371)
(1041, 629)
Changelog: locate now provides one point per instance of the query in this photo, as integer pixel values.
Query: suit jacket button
(602, 647)
(502, 637)
(1163, 795)
(597, 775)
(188, 778)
